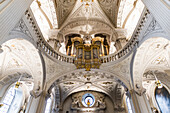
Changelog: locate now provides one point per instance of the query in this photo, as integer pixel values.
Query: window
(88, 100)
(163, 99)
(128, 104)
(8, 100)
(48, 106)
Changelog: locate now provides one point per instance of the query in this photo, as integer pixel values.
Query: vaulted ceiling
(105, 10)
(111, 13)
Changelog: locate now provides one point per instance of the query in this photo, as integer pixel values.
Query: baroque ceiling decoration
(86, 81)
(17, 59)
(110, 7)
(92, 12)
(14, 77)
(156, 57)
(95, 27)
(82, 13)
(63, 8)
(21, 27)
(149, 77)
(153, 27)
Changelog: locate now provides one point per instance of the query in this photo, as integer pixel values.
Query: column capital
(36, 94)
(139, 92)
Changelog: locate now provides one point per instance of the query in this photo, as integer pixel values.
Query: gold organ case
(87, 51)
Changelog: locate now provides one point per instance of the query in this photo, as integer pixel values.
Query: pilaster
(140, 102)
(120, 43)
(36, 104)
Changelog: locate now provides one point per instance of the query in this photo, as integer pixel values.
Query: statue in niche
(75, 103)
(101, 103)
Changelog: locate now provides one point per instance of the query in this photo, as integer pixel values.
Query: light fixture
(157, 82)
(18, 82)
(1, 105)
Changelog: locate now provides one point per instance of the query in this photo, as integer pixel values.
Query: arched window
(13, 100)
(163, 99)
(128, 104)
(8, 100)
(48, 105)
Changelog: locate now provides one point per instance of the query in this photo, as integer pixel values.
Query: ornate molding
(52, 6)
(21, 27)
(43, 45)
(151, 55)
(83, 77)
(153, 27)
(96, 24)
(110, 8)
(120, 12)
(70, 83)
(63, 7)
(14, 77)
(132, 43)
(98, 105)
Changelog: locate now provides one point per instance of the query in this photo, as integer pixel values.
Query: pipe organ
(87, 50)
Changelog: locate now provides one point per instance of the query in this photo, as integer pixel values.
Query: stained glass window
(48, 106)
(163, 99)
(88, 100)
(8, 100)
(128, 105)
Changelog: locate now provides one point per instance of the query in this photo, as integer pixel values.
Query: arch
(18, 35)
(62, 78)
(153, 34)
(142, 58)
(67, 79)
(104, 27)
(94, 88)
(25, 56)
(11, 79)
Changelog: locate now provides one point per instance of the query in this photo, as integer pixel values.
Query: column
(57, 45)
(102, 46)
(32, 105)
(72, 49)
(36, 104)
(120, 43)
(140, 102)
(54, 44)
(51, 42)
(42, 103)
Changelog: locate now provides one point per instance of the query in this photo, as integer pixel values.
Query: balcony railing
(46, 48)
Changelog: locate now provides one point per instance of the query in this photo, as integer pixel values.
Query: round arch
(54, 81)
(25, 55)
(148, 52)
